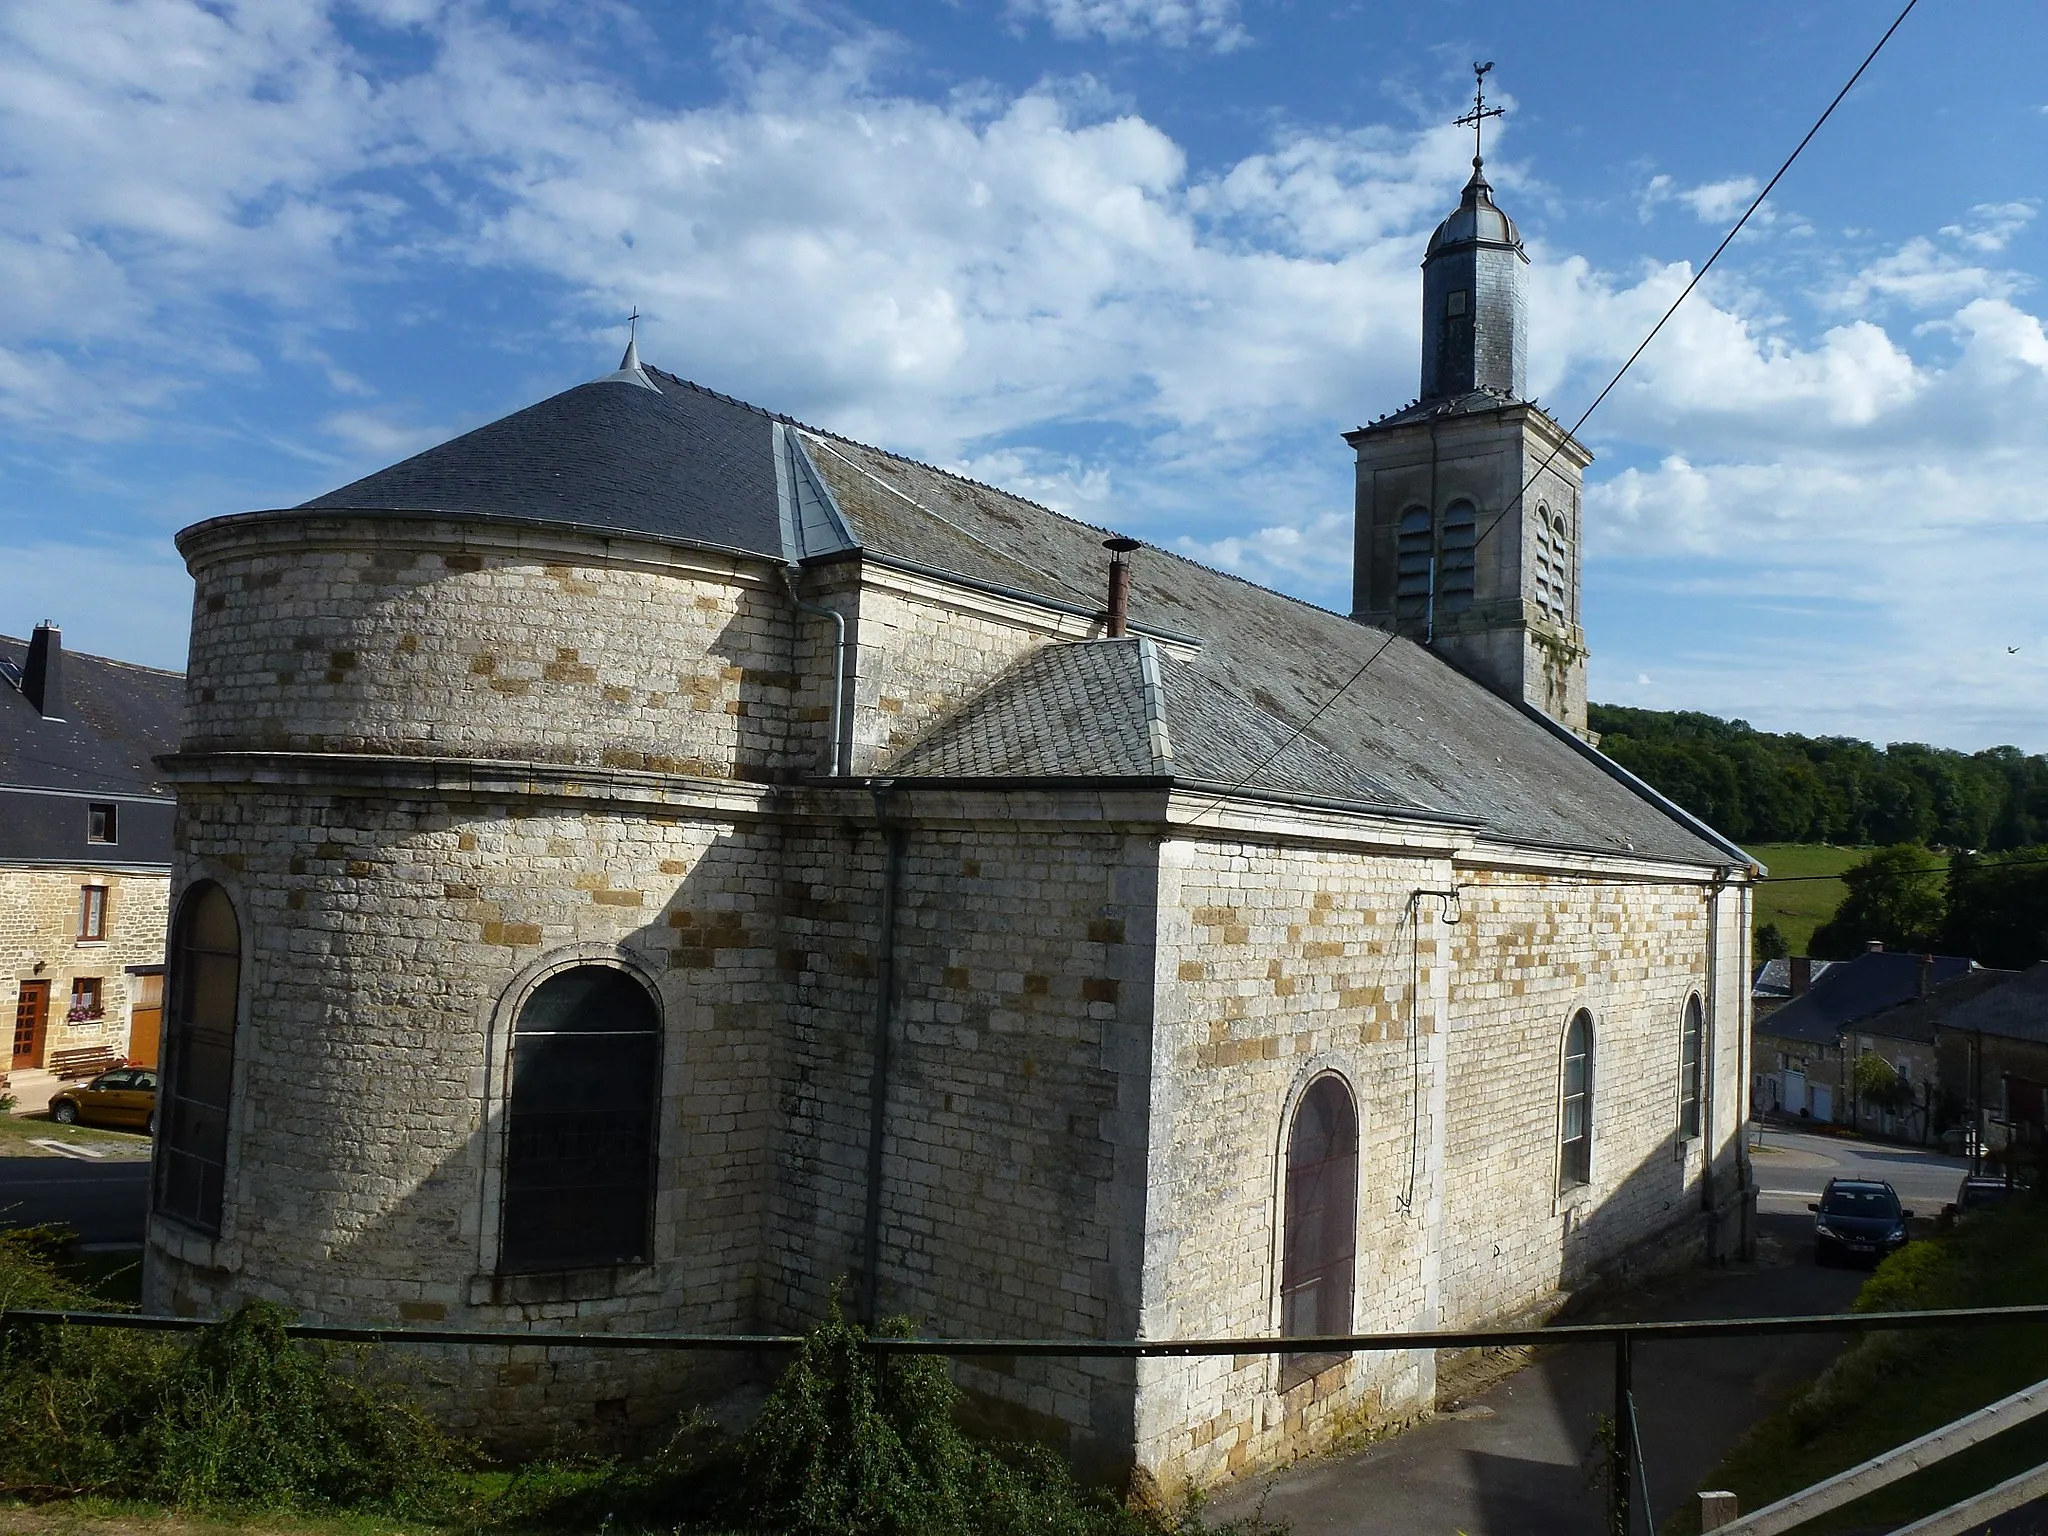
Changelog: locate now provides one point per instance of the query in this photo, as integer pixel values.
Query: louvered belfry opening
(580, 1129)
(1319, 1257)
(1412, 566)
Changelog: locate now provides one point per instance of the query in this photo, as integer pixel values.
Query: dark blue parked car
(1858, 1219)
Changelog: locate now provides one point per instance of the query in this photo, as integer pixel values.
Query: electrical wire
(1726, 241)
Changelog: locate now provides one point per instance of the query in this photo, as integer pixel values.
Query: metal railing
(1627, 1482)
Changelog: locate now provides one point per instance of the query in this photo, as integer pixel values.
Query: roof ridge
(112, 661)
(954, 474)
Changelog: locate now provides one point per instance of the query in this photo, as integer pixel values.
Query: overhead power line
(1726, 240)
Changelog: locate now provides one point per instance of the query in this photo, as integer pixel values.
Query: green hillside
(1803, 905)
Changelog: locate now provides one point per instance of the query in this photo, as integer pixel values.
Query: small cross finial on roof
(1476, 118)
(632, 357)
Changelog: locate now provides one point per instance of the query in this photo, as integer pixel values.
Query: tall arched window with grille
(199, 1058)
(1691, 1043)
(1575, 1109)
(1320, 1228)
(580, 1128)
(1457, 562)
(1411, 565)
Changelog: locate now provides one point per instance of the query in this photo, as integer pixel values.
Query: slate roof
(1471, 403)
(677, 462)
(694, 466)
(1855, 990)
(1774, 977)
(1477, 220)
(1918, 1017)
(1126, 709)
(2016, 1011)
(117, 717)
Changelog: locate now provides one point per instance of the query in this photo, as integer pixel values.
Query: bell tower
(1468, 500)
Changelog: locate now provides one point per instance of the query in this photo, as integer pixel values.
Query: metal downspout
(893, 837)
(835, 764)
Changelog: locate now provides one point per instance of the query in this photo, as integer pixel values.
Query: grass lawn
(1801, 905)
(17, 1132)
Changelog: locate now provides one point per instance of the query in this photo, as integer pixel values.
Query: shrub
(239, 1414)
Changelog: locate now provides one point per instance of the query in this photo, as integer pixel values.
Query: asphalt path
(105, 1203)
(1512, 1460)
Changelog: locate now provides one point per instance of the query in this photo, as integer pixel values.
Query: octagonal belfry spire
(1475, 318)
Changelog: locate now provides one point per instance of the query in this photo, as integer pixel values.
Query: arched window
(1691, 1041)
(1455, 565)
(199, 1058)
(1411, 565)
(579, 1133)
(1321, 1223)
(1575, 1116)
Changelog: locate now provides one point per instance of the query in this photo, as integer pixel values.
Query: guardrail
(1628, 1482)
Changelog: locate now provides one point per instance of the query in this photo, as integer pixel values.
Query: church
(650, 864)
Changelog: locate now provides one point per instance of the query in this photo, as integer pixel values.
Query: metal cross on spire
(1476, 118)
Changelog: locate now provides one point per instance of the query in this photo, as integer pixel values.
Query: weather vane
(1476, 118)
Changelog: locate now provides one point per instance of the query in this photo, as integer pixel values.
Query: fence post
(1619, 1520)
(1716, 1510)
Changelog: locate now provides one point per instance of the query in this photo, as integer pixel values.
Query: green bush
(237, 1415)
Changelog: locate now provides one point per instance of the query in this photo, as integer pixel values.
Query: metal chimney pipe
(1119, 585)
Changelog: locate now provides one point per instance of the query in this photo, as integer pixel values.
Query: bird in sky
(2012, 650)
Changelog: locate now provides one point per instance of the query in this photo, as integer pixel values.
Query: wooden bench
(85, 1061)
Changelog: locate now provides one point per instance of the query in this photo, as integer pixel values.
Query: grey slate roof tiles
(1125, 709)
(2016, 1011)
(117, 716)
(694, 466)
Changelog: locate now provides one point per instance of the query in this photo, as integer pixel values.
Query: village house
(1993, 1051)
(1882, 1003)
(647, 863)
(85, 857)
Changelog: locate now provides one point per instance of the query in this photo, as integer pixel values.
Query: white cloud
(1175, 23)
(1714, 202)
(1034, 287)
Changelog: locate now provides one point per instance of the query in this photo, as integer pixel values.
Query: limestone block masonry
(39, 941)
(433, 761)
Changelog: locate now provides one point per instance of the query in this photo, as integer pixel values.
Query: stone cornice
(438, 533)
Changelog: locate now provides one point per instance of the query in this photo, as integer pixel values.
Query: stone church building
(646, 863)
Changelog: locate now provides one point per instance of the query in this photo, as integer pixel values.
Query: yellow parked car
(125, 1096)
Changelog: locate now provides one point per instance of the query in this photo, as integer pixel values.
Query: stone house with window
(85, 853)
(648, 863)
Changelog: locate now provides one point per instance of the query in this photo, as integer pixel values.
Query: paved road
(1511, 1461)
(104, 1202)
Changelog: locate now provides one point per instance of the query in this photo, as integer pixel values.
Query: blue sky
(1141, 259)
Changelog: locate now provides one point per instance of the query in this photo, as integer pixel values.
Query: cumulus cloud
(1176, 23)
(1033, 286)
(1714, 202)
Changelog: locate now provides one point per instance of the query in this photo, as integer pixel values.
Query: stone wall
(39, 921)
(1013, 1156)
(1528, 952)
(460, 640)
(387, 942)
(1277, 965)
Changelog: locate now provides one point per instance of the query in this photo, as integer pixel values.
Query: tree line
(1992, 907)
(1759, 786)
(1988, 900)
